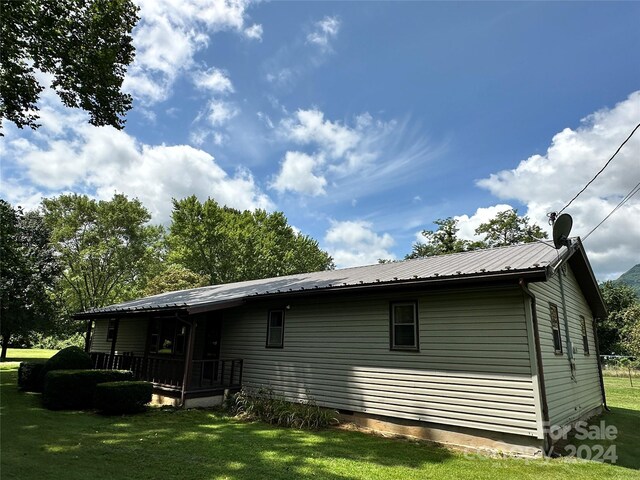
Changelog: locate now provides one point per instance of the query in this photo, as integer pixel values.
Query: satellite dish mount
(561, 230)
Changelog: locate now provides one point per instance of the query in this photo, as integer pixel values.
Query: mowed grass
(199, 444)
(17, 355)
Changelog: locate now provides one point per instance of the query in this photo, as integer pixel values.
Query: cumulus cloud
(169, 34)
(324, 31)
(353, 243)
(219, 112)
(101, 161)
(545, 183)
(297, 175)
(254, 32)
(362, 156)
(213, 80)
(468, 224)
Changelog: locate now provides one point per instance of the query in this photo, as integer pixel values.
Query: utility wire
(633, 191)
(596, 175)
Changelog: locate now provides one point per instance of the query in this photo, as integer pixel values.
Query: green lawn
(17, 355)
(199, 444)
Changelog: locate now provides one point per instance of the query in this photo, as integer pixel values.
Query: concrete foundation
(466, 439)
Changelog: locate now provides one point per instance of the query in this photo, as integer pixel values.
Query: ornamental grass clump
(265, 405)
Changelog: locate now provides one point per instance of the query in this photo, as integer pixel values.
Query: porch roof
(534, 261)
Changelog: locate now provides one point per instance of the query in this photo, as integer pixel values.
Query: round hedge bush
(70, 358)
(122, 397)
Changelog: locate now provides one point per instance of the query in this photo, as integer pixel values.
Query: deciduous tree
(227, 245)
(85, 44)
(507, 228)
(107, 249)
(442, 241)
(28, 270)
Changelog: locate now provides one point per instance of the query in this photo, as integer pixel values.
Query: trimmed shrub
(265, 405)
(29, 375)
(70, 358)
(74, 389)
(122, 397)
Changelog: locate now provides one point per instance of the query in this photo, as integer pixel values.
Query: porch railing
(169, 372)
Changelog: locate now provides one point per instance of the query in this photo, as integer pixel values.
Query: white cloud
(220, 112)
(169, 34)
(297, 175)
(213, 80)
(363, 157)
(545, 183)
(254, 32)
(103, 160)
(309, 126)
(468, 224)
(324, 32)
(353, 243)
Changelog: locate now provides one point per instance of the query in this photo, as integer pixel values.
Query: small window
(555, 327)
(275, 329)
(111, 330)
(404, 326)
(585, 337)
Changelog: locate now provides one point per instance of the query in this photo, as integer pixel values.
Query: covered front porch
(179, 353)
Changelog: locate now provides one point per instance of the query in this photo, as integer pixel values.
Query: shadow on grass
(187, 444)
(627, 437)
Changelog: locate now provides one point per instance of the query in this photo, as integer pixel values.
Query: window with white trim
(403, 326)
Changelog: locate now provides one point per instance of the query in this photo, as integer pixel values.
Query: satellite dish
(561, 230)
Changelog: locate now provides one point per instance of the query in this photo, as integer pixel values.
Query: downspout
(569, 344)
(541, 385)
(595, 337)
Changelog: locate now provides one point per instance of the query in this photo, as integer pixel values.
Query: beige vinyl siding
(132, 333)
(567, 399)
(472, 370)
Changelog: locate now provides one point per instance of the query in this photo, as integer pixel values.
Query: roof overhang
(476, 279)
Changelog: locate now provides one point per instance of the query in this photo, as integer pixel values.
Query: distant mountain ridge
(631, 278)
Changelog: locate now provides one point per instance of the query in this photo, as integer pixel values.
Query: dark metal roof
(483, 265)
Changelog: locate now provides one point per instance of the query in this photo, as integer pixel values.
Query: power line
(633, 191)
(601, 170)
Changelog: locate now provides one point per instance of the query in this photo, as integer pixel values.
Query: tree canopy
(107, 248)
(622, 304)
(85, 44)
(28, 270)
(442, 241)
(506, 228)
(173, 278)
(228, 245)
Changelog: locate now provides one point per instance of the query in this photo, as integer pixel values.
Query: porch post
(113, 342)
(188, 361)
(87, 338)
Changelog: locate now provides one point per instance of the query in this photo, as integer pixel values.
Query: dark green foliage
(29, 375)
(85, 44)
(227, 245)
(507, 228)
(28, 271)
(75, 389)
(70, 358)
(620, 300)
(265, 405)
(442, 241)
(122, 397)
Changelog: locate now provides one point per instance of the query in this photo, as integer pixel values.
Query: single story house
(488, 349)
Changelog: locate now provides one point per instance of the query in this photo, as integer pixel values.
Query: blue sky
(364, 122)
